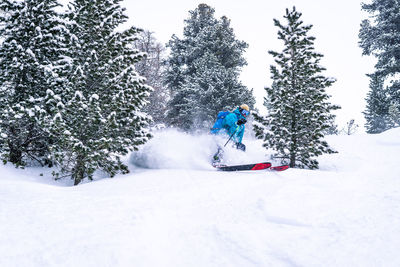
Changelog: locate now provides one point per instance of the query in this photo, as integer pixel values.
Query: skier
(231, 124)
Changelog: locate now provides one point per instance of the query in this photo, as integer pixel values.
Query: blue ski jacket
(230, 125)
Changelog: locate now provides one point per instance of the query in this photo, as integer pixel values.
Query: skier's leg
(241, 146)
(217, 158)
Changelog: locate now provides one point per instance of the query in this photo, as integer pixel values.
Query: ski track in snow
(176, 210)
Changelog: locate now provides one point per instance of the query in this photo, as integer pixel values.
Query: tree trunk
(292, 162)
(293, 147)
(79, 170)
(15, 154)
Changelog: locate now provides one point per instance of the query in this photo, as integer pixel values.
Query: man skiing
(232, 124)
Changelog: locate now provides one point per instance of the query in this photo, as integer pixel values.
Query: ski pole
(231, 136)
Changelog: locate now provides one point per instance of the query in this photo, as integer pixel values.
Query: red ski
(252, 167)
(245, 167)
(279, 168)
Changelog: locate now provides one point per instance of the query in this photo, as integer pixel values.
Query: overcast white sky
(336, 25)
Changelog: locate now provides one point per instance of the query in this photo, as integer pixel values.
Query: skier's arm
(230, 124)
(233, 128)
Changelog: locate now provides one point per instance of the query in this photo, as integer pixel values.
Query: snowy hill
(178, 211)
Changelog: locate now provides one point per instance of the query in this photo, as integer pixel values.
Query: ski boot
(217, 158)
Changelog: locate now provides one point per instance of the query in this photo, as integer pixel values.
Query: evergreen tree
(380, 36)
(31, 57)
(99, 113)
(203, 71)
(298, 107)
(377, 112)
(152, 68)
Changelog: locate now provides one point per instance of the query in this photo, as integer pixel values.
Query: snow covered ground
(175, 210)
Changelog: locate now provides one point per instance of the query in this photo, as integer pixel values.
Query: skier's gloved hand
(241, 146)
(241, 121)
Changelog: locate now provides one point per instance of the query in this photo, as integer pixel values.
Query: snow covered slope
(345, 214)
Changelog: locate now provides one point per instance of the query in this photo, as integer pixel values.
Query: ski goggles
(245, 112)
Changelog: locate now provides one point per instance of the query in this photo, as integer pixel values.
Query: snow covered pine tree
(203, 71)
(99, 113)
(381, 39)
(377, 111)
(297, 102)
(30, 59)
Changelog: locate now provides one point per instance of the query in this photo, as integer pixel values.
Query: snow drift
(345, 214)
(172, 149)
